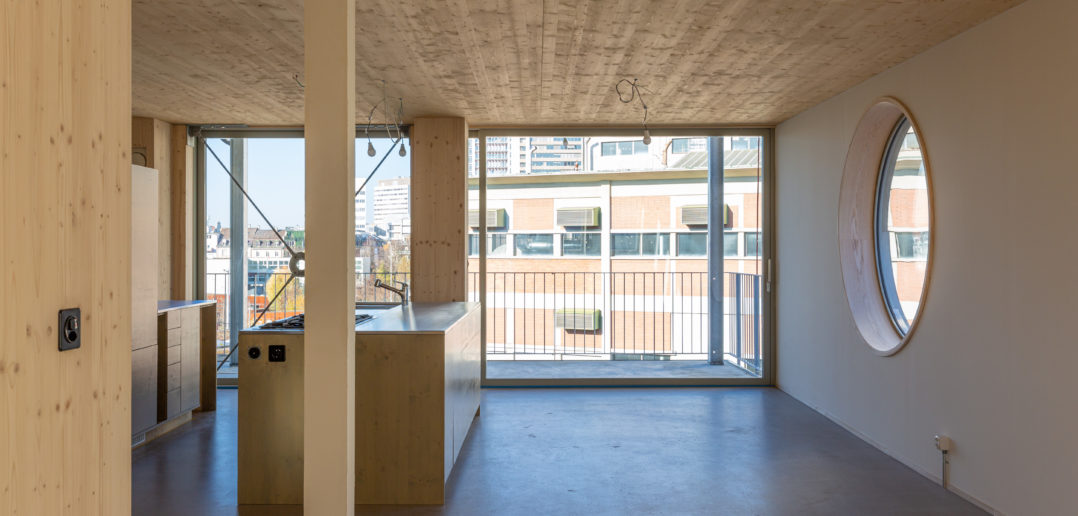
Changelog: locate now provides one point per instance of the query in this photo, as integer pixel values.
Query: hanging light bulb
(647, 136)
(370, 149)
(403, 152)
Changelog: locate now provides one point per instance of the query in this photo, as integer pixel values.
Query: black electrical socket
(254, 352)
(69, 326)
(276, 353)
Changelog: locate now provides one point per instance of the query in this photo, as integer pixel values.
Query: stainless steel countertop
(418, 318)
(165, 305)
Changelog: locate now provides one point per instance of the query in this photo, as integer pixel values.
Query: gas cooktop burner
(296, 322)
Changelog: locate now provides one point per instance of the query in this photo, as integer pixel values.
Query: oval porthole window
(902, 226)
(885, 226)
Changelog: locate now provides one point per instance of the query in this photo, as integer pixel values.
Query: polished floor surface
(603, 451)
(624, 369)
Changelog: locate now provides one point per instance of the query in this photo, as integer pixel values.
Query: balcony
(558, 325)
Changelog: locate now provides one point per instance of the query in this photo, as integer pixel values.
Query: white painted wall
(994, 363)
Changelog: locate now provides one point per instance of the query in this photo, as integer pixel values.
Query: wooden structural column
(439, 209)
(329, 38)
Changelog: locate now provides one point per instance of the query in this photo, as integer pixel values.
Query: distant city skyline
(275, 178)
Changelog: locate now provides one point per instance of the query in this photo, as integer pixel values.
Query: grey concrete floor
(626, 369)
(602, 451)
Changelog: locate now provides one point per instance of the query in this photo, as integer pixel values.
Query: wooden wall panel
(151, 141)
(439, 209)
(65, 173)
(181, 216)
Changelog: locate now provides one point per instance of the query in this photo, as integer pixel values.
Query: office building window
(729, 245)
(495, 244)
(640, 244)
(534, 244)
(581, 244)
(911, 245)
(692, 244)
(752, 244)
(473, 244)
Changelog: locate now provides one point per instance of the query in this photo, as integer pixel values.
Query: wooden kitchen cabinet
(178, 361)
(417, 393)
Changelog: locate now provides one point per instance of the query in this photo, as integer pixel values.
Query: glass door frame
(202, 133)
(767, 172)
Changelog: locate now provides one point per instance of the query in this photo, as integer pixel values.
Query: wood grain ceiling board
(537, 62)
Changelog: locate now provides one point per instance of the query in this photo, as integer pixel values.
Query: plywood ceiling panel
(537, 62)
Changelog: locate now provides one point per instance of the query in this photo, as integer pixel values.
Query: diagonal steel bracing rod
(252, 201)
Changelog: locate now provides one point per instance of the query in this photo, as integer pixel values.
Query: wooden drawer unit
(173, 400)
(174, 355)
(174, 318)
(143, 389)
(173, 377)
(174, 337)
(178, 361)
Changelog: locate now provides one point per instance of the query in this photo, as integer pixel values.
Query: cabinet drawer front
(143, 389)
(174, 408)
(175, 318)
(175, 337)
(173, 378)
(174, 355)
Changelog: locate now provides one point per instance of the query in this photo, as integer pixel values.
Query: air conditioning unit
(696, 215)
(495, 218)
(577, 319)
(586, 217)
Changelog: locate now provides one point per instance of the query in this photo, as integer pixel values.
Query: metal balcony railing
(619, 316)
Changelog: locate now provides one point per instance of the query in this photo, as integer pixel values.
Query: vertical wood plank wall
(181, 219)
(167, 150)
(439, 209)
(65, 173)
(155, 137)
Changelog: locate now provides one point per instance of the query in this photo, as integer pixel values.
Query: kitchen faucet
(402, 291)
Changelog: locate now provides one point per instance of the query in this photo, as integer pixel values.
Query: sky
(275, 178)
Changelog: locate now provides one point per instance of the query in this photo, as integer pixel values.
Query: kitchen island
(417, 392)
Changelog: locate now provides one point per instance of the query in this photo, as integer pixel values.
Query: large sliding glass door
(594, 252)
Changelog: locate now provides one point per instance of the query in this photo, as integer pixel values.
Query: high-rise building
(552, 154)
(361, 211)
(391, 204)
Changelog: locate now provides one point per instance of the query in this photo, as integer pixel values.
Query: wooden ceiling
(537, 62)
